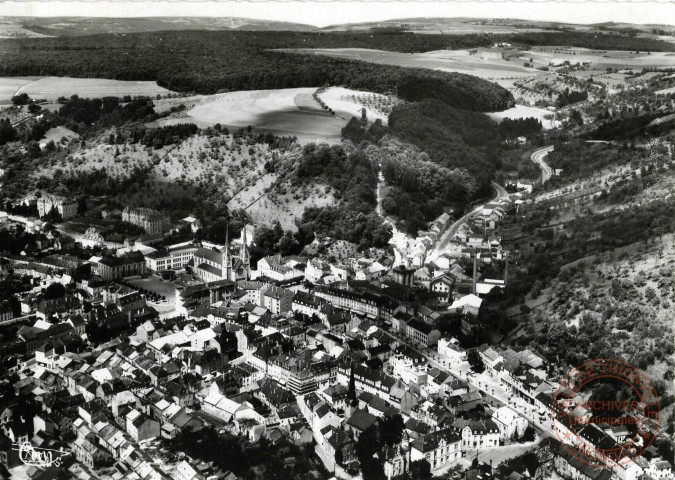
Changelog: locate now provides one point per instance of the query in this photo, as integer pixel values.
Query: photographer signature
(40, 457)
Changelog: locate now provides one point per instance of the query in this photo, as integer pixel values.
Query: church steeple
(245, 260)
(352, 403)
(227, 257)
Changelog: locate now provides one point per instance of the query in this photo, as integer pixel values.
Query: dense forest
(211, 62)
(434, 157)
(452, 138)
(418, 190)
(353, 178)
(631, 127)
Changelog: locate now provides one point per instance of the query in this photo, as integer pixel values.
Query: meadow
(51, 88)
(284, 112)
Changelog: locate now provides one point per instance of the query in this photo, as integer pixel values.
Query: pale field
(486, 63)
(10, 85)
(347, 101)
(521, 111)
(283, 112)
(600, 58)
(13, 30)
(51, 88)
(56, 134)
(665, 91)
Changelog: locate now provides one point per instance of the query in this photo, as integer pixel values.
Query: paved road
(538, 158)
(449, 234)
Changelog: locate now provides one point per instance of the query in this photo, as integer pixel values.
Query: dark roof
(361, 420)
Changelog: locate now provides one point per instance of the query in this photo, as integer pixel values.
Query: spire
(227, 258)
(245, 260)
(351, 392)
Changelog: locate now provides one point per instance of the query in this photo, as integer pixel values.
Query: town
(112, 358)
(234, 249)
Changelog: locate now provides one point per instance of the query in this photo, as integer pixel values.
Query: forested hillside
(453, 138)
(210, 62)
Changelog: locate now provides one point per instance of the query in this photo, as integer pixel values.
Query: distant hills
(78, 26)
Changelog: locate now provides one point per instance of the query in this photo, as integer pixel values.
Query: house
(510, 424)
(449, 349)
(140, 427)
(172, 259)
(438, 448)
(525, 184)
(443, 285)
(569, 466)
(185, 471)
(477, 433)
(423, 333)
(277, 300)
(65, 207)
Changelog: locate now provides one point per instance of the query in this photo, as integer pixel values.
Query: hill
(213, 62)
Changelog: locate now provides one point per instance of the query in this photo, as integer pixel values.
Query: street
(538, 158)
(449, 234)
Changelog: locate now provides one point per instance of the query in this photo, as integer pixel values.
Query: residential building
(152, 221)
(65, 207)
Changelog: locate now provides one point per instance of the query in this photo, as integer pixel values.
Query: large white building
(67, 208)
(174, 259)
(438, 448)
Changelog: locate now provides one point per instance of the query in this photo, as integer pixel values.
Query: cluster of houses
(297, 350)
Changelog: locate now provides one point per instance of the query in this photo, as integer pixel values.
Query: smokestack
(475, 260)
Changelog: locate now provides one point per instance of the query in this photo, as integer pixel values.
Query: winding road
(449, 234)
(538, 158)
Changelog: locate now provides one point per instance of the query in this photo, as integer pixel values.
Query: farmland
(485, 63)
(51, 88)
(284, 112)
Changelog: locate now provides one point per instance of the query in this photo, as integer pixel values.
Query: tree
(34, 108)
(529, 434)
(420, 470)
(55, 290)
(367, 445)
(391, 430)
(475, 361)
(20, 99)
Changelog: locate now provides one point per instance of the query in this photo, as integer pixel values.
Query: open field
(666, 91)
(599, 58)
(10, 85)
(485, 63)
(10, 29)
(284, 112)
(51, 88)
(521, 111)
(56, 134)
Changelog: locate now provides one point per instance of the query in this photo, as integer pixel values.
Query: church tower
(227, 257)
(245, 258)
(352, 404)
